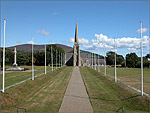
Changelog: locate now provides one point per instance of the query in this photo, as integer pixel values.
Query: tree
(23, 58)
(120, 59)
(40, 58)
(132, 60)
(9, 57)
(110, 59)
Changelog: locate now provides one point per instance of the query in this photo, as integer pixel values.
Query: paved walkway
(76, 99)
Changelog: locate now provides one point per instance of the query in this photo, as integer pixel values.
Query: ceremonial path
(76, 99)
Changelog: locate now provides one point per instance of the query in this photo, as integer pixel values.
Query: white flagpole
(95, 61)
(56, 58)
(45, 59)
(92, 60)
(141, 61)
(61, 59)
(32, 61)
(88, 59)
(65, 59)
(4, 57)
(125, 62)
(115, 60)
(99, 62)
(52, 58)
(105, 59)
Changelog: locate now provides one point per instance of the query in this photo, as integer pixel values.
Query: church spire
(76, 34)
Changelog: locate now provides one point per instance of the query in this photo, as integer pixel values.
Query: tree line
(130, 60)
(25, 57)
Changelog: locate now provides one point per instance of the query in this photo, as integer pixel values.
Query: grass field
(44, 94)
(107, 96)
(131, 76)
(18, 76)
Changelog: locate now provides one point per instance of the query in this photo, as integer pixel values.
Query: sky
(99, 22)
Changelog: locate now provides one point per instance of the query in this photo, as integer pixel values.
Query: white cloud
(81, 41)
(89, 47)
(132, 49)
(71, 40)
(143, 30)
(132, 44)
(30, 42)
(43, 32)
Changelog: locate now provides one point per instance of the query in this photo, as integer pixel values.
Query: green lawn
(131, 76)
(18, 76)
(107, 96)
(44, 94)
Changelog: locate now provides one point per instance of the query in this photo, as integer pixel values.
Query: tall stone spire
(76, 49)
(76, 34)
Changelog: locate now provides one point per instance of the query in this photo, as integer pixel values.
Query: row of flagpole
(61, 63)
(93, 61)
(52, 68)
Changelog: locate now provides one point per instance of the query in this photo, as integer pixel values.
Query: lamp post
(4, 58)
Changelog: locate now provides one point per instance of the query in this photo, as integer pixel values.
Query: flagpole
(141, 61)
(56, 58)
(95, 61)
(105, 59)
(92, 60)
(52, 58)
(45, 59)
(4, 57)
(32, 61)
(61, 59)
(99, 62)
(115, 61)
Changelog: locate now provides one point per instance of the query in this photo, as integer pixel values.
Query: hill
(27, 47)
(67, 49)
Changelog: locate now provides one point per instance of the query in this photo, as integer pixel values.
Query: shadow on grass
(103, 99)
(135, 96)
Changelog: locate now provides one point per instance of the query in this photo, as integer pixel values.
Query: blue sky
(54, 22)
